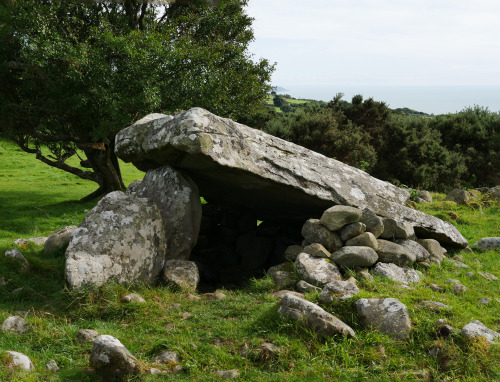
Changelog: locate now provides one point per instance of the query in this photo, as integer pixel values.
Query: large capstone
(122, 238)
(247, 169)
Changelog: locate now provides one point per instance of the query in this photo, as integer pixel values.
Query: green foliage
(78, 72)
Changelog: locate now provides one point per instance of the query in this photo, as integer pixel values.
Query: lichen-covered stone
(316, 271)
(478, 329)
(184, 274)
(111, 359)
(394, 229)
(351, 230)
(15, 324)
(338, 290)
(393, 272)
(317, 250)
(305, 312)
(20, 360)
(487, 243)
(336, 217)
(282, 274)
(373, 223)
(387, 315)
(315, 232)
(417, 249)
(237, 166)
(122, 238)
(178, 200)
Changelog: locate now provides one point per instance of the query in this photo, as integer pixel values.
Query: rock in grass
(478, 329)
(352, 257)
(228, 373)
(393, 272)
(338, 290)
(87, 335)
(304, 287)
(387, 315)
(16, 254)
(133, 297)
(168, 357)
(15, 359)
(434, 305)
(488, 276)
(336, 217)
(111, 359)
(487, 243)
(58, 241)
(312, 316)
(122, 238)
(315, 232)
(183, 274)
(316, 271)
(52, 366)
(15, 324)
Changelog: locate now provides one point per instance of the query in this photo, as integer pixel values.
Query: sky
(378, 42)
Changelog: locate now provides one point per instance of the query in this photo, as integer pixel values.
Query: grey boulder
(111, 359)
(389, 252)
(15, 324)
(16, 255)
(316, 271)
(478, 329)
(19, 360)
(351, 257)
(122, 238)
(417, 249)
(336, 217)
(58, 241)
(315, 232)
(487, 243)
(338, 290)
(393, 272)
(366, 239)
(299, 310)
(394, 229)
(178, 200)
(351, 230)
(374, 224)
(184, 274)
(387, 315)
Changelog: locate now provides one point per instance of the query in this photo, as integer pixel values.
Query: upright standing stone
(178, 200)
(122, 238)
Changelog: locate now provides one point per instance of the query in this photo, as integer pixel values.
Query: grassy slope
(212, 336)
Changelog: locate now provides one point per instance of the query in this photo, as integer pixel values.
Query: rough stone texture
(459, 289)
(228, 373)
(352, 230)
(435, 305)
(87, 335)
(351, 257)
(433, 247)
(389, 252)
(184, 274)
(366, 239)
(365, 275)
(52, 366)
(58, 241)
(477, 328)
(494, 192)
(458, 196)
(133, 297)
(244, 168)
(293, 251)
(394, 229)
(282, 274)
(425, 196)
(168, 357)
(317, 250)
(387, 315)
(16, 254)
(338, 290)
(110, 358)
(458, 264)
(336, 217)
(15, 324)
(133, 187)
(488, 276)
(281, 293)
(395, 273)
(23, 243)
(316, 271)
(315, 232)
(304, 287)
(300, 310)
(485, 300)
(417, 249)
(178, 200)
(487, 243)
(19, 360)
(373, 223)
(121, 238)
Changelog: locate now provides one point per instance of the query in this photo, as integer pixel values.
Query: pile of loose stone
(347, 238)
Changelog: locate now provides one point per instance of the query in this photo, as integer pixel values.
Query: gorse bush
(438, 153)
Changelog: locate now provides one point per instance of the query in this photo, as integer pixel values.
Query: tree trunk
(105, 165)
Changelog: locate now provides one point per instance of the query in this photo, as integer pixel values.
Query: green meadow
(213, 335)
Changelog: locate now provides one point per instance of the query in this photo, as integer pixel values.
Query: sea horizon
(428, 99)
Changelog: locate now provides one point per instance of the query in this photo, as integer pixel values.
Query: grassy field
(226, 334)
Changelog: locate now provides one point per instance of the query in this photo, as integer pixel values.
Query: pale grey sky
(379, 42)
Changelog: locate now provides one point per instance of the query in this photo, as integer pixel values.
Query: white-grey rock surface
(15, 324)
(111, 359)
(122, 238)
(351, 257)
(338, 290)
(477, 328)
(315, 270)
(393, 272)
(58, 241)
(184, 274)
(20, 360)
(237, 166)
(487, 243)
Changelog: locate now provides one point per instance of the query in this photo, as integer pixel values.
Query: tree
(80, 71)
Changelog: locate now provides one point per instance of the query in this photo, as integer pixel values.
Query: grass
(227, 334)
